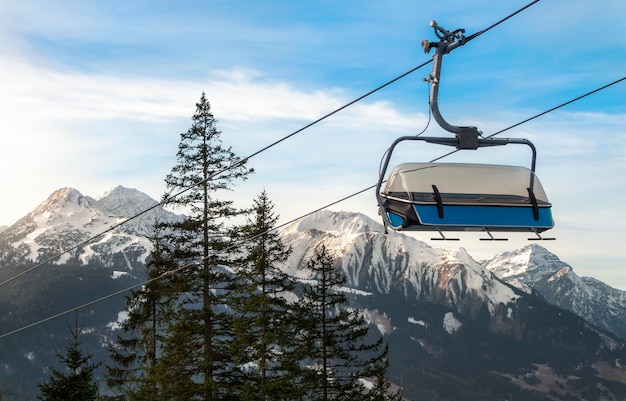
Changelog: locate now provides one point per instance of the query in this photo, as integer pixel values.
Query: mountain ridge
(456, 329)
(67, 218)
(534, 269)
(453, 269)
(444, 311)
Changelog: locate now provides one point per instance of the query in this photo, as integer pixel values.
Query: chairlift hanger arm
(466, 137)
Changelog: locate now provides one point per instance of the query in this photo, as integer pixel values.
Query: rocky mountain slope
(456, 331)
(534, 268)
(396, 264)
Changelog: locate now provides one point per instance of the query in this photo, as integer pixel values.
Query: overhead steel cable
(560, 105)
(541, 114)
(245, 159)
(475, 35)
(412, 70)
(185, 266)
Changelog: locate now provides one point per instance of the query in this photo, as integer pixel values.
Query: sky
(96, 94)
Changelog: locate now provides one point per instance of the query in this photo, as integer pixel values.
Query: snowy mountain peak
(64, 200)
(122, 201)
(534, 269)
(525, 265)
(394, 262)
(118, 188)
(68, 218)
(329, 221)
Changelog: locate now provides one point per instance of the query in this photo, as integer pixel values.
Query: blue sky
(95, 94)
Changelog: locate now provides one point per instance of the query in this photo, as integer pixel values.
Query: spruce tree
(132, 372)
(263, 312)
(337, 350)
(75, 382)
(196, 360)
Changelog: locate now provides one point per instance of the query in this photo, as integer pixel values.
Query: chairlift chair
(461, 196)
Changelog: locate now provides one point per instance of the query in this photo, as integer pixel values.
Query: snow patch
(121, 318)
(419, 322)
(367, 383)
(355, 291)
(450, 323)
(382, 322)
(117, 274)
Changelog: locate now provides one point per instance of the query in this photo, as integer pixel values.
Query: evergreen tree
(196, 360)
(263, 318)
(380, 389)
(75, 382)
(336, 348)
(134, 356)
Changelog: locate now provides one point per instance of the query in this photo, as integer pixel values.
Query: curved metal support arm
(381, 179)
(448, 41)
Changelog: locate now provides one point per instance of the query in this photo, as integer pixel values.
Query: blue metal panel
(484, 216)
(395, 219)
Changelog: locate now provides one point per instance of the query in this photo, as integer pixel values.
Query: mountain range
(520, 326)
(68, 218)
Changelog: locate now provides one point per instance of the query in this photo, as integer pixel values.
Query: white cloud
(66, 95)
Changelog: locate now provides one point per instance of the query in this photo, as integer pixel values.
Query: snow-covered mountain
(455, 329)
(395, 263)
(68, 218)
(112, 262)
(534, 268)
(453, 322)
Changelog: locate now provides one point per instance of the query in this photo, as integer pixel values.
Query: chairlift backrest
(465, 197)
(465, 183)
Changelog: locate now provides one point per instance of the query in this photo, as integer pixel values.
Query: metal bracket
(491, 237)
(540, 238)
(443, 237)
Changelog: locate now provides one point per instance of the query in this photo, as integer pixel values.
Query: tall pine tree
(343, 362)
(263, 312)
(196, 360)
(132, 373)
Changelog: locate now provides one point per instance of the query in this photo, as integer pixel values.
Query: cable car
(461, 196)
